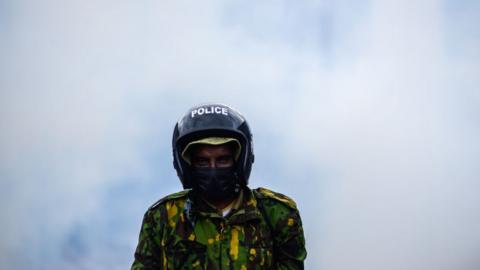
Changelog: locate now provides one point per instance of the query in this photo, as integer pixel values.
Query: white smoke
(366, 114)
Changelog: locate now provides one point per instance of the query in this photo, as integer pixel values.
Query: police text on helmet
(209, 110)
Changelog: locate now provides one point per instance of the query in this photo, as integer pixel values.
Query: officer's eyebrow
(199, 158)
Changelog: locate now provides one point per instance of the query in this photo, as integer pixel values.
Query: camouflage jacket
(265, 232)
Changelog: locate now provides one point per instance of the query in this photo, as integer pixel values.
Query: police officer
(217, 221)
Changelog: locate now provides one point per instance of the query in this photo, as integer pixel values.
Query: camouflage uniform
(181, 232)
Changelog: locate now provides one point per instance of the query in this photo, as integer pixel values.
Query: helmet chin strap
(220, 205)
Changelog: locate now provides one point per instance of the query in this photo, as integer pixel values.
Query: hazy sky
(367, 113)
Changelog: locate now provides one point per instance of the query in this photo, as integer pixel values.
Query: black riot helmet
(212, 120)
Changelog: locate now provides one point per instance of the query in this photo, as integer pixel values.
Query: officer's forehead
(224, 149)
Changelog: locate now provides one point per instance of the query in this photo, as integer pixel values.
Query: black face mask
(216, 184)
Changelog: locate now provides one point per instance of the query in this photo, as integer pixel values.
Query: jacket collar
(244, 211)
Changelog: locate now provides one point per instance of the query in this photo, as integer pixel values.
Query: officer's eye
(200, 162)
(225, 160)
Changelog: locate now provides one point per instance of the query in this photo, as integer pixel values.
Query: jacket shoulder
(174, 196)
(264, 193)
